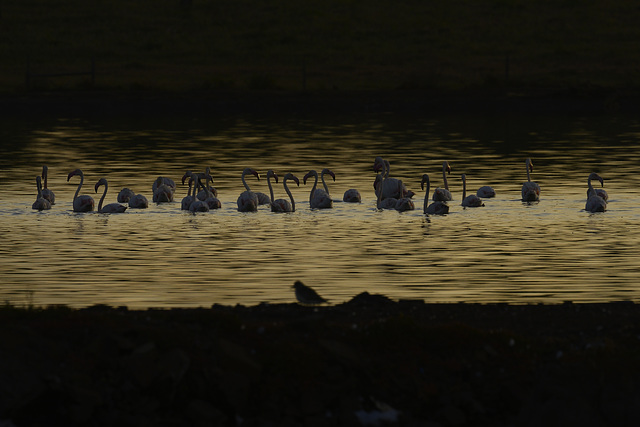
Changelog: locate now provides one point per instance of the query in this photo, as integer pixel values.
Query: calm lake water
(506, 251)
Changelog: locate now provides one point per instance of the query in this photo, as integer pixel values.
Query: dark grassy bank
(195, 46)
(406, 362)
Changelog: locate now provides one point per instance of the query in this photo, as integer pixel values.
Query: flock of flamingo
(391, 193)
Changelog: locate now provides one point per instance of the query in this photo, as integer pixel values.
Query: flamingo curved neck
(324, 184)
(75, 196)
(286, 188)
(244, 172)
(426, 195)
(39, 187)
(44, 175)
(270, 187)
(315, 184)
(464, 187)
(591, 191)
(104, 194)
(528, 167)
(444, 176)
(382, 180)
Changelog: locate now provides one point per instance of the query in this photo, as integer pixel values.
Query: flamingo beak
(297, 181)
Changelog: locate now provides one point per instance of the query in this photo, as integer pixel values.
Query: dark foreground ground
(370, 361)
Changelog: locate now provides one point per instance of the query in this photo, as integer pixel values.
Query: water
(506, 251)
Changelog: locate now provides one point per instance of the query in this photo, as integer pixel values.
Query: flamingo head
(308, 175)
(464, 177)
(594, 175)
(330, 172)
(102, 181)
(44, 171)
(186, 175)
(293, 178)
(530, 165)
(272, 174)
(247, 171)
(425, 179)
(378, 164)
(446, 167)
(74, 173)
(39, 181)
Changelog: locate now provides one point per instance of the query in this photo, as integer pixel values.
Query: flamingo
(41, 203)
(82, 203)
(470, 201)
(352, 196)
(595, 203)
(404, 204)
(599, 191)
(138, 202)
(271, 174)
(392, 187)
(207, 191)
(248, 200)
(318, 199)
(389, 202)
(163, 192)
(283, 205)
(530, 189)
(165, 181)
(125, 195)
(435, 208)
(324, 184)
(111, 207)
(188, 199)
(46, 193)
(486, 192)
(443, 194)
(197, 205)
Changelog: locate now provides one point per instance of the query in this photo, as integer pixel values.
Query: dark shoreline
(149, 104)
(408, 361)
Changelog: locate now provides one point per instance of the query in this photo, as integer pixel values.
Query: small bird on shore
(306, 295)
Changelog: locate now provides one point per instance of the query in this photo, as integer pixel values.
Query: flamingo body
(352, 196)
(486, 192)
(138, 202)
(125, 195)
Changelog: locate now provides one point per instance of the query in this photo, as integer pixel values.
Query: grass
(320, 46)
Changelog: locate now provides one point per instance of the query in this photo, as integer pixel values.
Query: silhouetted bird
(306, 295)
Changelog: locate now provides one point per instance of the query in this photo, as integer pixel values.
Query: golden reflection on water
(507, 251)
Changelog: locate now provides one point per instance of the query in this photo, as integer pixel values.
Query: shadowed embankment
(364, 361)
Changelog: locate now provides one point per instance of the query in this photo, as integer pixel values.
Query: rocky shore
(369, 361)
